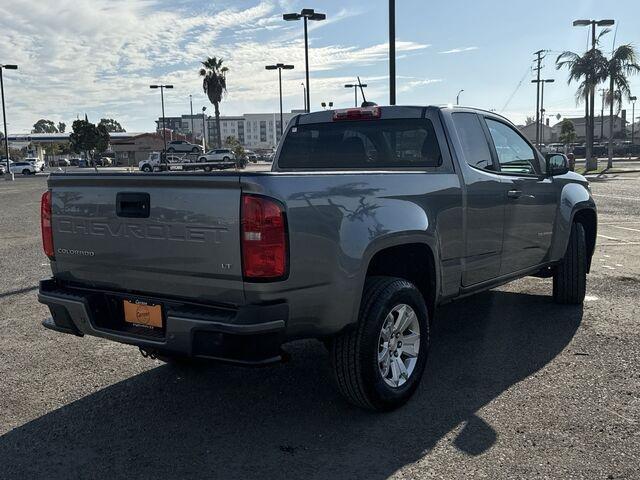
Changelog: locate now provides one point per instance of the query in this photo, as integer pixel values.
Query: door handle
(514, 193)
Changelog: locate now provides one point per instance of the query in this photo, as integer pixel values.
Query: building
(182, 125)
(547, 134)
(601, 127)
(130, 151)
(255, 131)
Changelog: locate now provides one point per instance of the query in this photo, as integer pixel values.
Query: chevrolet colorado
(369, 219)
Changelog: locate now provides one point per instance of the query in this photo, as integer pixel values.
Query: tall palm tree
(214, 84)
(589, 70)
(623, 62)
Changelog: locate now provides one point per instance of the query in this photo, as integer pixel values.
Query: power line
(513, 94)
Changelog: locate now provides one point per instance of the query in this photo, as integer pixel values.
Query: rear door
(166, 235)
(531, 199)
(484, 201)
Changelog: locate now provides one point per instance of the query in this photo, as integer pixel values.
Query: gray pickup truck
(369, 219)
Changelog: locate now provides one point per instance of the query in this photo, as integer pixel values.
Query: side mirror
(557, 164)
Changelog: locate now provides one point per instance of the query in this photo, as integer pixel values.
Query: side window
(474, 142)
(514, 154)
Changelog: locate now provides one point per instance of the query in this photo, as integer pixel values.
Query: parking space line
(614, 196)
(611, 238)
(625, 228)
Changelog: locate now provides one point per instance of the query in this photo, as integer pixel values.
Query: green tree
(233, 144)
(44, 126)
(62, 127)
(111, 125)
(214, 84)
(87, 137)
(567, 132)
(622, 64)
(588, 70)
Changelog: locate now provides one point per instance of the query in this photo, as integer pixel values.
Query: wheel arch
(414, 260)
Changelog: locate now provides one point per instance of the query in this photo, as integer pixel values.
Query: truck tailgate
(175, 235)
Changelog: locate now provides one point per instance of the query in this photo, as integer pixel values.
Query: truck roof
(390, 111)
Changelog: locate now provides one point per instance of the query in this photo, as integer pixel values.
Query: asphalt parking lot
(516, 386)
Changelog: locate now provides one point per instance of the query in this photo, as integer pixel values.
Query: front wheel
(207, 168)
(26, 172)
(379, 363)
(147, 168)
(202, 159)
(570, 275)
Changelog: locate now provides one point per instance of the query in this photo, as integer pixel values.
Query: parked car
(74, 161)
(251, 156)
(104, 162)
(25, 168)
(36, 162)
(219, 154)
(62, 162)
(83, 163)
(181, 146)
(353, 244)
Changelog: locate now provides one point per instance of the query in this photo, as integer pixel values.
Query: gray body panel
(337, 221)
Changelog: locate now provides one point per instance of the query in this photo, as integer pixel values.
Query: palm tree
(589, 70)
(623, 62)
(214, 84)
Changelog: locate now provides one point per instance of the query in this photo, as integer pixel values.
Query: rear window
(362, 144)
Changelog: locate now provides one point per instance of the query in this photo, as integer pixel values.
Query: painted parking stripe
(625, 228)
(614, 196)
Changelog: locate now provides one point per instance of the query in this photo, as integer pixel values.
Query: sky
(99, 56)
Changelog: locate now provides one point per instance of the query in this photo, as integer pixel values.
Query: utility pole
(392, 52)
(193, 134)
(304, 96)
(537, 82)
(9, 174)
(164, 130)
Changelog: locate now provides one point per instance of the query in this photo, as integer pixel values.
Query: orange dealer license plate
(143, 314)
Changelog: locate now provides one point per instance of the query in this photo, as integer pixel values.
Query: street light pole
(633, 118)
(392, 52)
(280, 67)
(304, 96)
(9, 175)
(591, 84)
(355, 87)
(191, 107)
(548, 80)
(204, 132)
(164, 130)
(458, 97)
(305, 14)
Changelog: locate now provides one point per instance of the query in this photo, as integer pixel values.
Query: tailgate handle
(132, 205)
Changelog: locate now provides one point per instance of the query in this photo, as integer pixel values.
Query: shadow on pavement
(288, 421)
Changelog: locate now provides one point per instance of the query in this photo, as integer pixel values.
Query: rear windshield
(361, 144)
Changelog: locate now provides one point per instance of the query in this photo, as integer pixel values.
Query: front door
(530, 196)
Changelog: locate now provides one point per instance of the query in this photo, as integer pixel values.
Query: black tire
(225, 159)
(207, 168)
(26, 172)
(202, 159)
(570, 275)
(195, 150)
(171, 150)
(147, 168)
(354, 353)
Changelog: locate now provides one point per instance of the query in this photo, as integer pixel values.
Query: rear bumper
(246, 335)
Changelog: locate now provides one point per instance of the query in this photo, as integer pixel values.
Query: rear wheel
(207, 168)
(26, 172)
(147, 168)
(570, 276)
(171, 150)
(202, 159)
(379, 364)
(194, 150)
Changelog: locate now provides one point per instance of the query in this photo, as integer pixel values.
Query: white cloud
(101, 55)
(459, 50)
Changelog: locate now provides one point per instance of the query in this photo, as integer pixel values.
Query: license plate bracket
(143, 314)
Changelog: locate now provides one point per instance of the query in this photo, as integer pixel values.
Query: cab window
(515, 156)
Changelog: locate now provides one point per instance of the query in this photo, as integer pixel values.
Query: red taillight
(264, 239)
(364, 113)
(45, 224)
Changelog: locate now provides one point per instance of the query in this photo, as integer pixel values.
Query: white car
(36, 162)
(25, 168)
(217, 155)
(181, 146)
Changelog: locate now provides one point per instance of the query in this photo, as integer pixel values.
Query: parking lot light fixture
(164, 131)
(633, 118)
(458, 97)
(355, 87)
(305, 14)
(204, 136)
(279, 67)
(9, 175)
